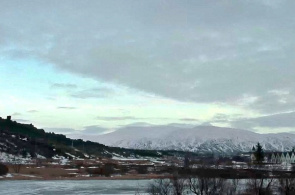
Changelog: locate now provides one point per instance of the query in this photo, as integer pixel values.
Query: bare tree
(206, 186)
(287, 186)
(16, 164)
(178, 185)
(160, 187)
(260, 186)
(232, 187)
(16, 167)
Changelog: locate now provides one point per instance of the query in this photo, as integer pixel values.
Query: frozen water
(81, 187)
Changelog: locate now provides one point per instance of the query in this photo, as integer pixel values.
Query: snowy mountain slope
(199, 139)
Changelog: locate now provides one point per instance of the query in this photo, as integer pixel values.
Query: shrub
(3, 169)
(142, 170)
(16, 167)
(94, 171)
(79, 164)
(108, 169)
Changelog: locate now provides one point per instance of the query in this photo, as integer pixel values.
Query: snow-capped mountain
(198, 139)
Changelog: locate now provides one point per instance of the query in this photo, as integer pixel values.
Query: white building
(281, 157)
(277, 157)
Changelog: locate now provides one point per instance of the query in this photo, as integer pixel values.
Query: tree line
(201, 185)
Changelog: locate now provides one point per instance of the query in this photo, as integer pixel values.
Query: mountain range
(28, 141)
(200, 139)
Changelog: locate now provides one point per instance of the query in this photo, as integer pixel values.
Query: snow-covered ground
(9, 158)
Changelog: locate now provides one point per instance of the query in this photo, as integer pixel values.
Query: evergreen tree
(186, 161)
(259, 154)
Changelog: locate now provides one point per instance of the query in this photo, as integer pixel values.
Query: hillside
(201, 139)
(24, 139)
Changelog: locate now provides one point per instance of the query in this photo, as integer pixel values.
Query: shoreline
(36, 178)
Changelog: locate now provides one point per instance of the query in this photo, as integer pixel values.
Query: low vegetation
(3, 169)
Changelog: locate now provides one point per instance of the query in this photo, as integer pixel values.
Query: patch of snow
(14, 159)
(25, 175)
(40, 156)
(64, 161)
(70, 155)
(9, 175)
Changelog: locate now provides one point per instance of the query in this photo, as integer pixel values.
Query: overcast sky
(91, 64)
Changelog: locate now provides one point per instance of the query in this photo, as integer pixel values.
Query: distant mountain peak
(202, 139)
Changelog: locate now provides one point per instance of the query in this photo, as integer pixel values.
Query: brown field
(58, 172)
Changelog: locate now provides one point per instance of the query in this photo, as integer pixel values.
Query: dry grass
(53, 172)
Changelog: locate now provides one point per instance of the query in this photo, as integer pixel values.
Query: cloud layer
(282, 120)
(233, 52)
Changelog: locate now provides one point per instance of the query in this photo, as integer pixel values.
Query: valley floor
(64, 172)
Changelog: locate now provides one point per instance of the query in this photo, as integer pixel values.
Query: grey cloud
(189, 119)
(137, 124)
(66, 107)
(94, 130)
(87, 130)
(64, 86)
(226, 119)
(16, 114)
(220, 118)
(73, 91)
(99, 92)
(118, 118)
(282, 120)
(61, 130)
(200, 51)
(22, 120)
(275, 101)
(143, 124)
(32, 111)
(121, 118)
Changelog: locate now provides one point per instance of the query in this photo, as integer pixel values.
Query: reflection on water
(73, 187)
